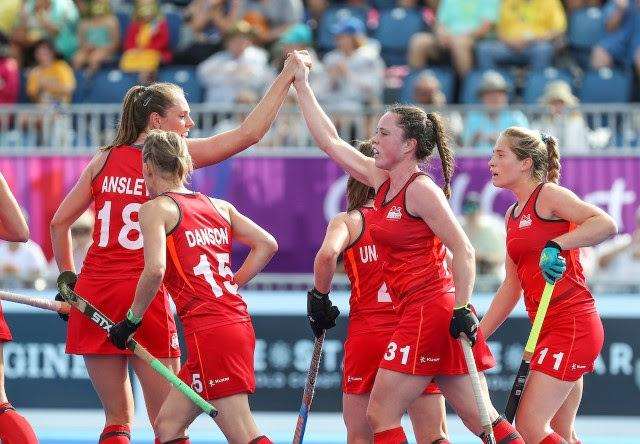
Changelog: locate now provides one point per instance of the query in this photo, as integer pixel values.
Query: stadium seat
(606, 86)
(586, 27)
(185, 77)
(382, 5)
(535, 82)
(394, 31)
(335, 14)
(471, 82)
(107, 86)
(445, 76)
(123, 21)
(174, 20)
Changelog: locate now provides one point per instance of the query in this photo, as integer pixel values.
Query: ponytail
(553, 158)
(358, 193)
(444, 150)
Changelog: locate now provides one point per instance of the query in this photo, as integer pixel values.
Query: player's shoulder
(422, 185)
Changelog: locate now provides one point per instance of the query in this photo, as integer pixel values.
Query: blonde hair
(138, 104)
(541, 148)
(168, 153)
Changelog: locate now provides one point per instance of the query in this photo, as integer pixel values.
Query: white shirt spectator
(21, 264)
(223, 75)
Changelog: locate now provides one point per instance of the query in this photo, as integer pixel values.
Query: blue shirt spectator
(622, 39)
(483, 127)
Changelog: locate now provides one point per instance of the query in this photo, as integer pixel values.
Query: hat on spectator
(492, 81)
(241, 28)
(559, 90)
(349, 26)
(298, 34)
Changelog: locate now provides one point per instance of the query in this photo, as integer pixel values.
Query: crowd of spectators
(364, 51)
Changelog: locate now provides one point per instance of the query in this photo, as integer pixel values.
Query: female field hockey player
(190, 236)
(545, 228)
(411, 225)
(14, 428)
(113, 182)
(372, 318)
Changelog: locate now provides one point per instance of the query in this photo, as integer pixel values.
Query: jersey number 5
(128, 226)
(204, 269)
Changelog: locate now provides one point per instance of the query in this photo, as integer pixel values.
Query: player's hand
(72, 284)
(464, 320)
(120, 333)
(322, 314)
(552, 264)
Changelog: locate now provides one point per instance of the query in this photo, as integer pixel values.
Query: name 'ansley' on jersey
(124, 185)
(207, 236)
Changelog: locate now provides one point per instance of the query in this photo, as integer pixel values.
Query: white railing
(614, 129)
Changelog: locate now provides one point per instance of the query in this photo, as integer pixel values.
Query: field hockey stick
(105, 323)
(521, 378)
(478, 393)
(47, 304)
(309, 388)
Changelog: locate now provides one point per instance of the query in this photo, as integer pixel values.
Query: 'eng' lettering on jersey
(207, 236)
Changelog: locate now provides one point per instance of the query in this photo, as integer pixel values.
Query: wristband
(553, 244)
(466, 305)
(131, 317)
(317, 293)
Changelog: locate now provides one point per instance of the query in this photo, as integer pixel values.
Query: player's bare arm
(263, 245)
(214, 149)
(326, 136)
(336, 240)
(73, 205)
(427, 201)
(13, 226)
(594, 225)
(503, 302)
(157, 217)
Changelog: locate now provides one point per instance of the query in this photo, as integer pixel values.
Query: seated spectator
(619, 258)
(482, 127)
(355, 68)
(271, 18)
(9, 74)
(526, 32)
(52, 79)
(98, 38)
(22, 264)
(621, 43)
(54, 20)
(205, 23)
(241, 66)
(146, 42)
(9, 17)
(563, 119)
(427, 93)
(459, 24)
(487, 234)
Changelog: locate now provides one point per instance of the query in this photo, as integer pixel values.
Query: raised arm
(13, 226)
(427, 201)
(73, 205)
(326, 136)
(214, 149)
(336, 240)
(263, 245)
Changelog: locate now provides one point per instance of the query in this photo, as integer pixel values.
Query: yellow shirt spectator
(9, 16)
(530, 20)
(53, 83)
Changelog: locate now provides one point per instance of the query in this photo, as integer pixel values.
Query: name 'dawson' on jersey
(207, 236)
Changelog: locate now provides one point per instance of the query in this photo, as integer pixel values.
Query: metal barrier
(80, 128)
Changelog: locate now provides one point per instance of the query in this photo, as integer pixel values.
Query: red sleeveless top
(371, 309)
(527, 233)
(199, 277)
(118, 193)
(413, 256)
